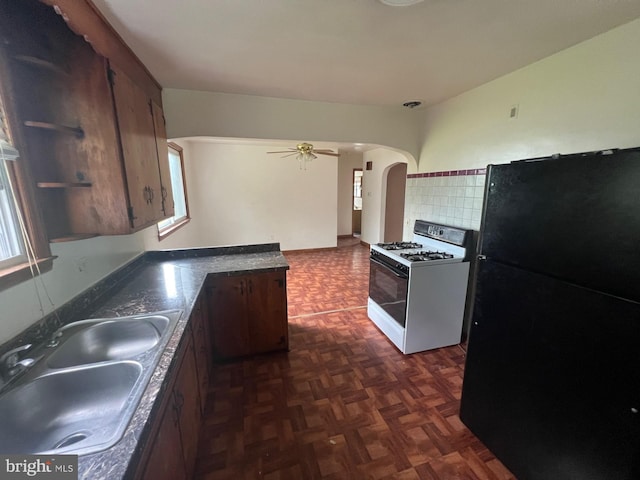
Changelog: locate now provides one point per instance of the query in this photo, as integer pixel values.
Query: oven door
(388, 288)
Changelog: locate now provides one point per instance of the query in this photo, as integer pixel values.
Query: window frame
(24, 190)
(181, 221)
(9, 221)
(15, 274)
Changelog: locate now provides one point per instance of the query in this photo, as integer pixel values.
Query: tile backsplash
(452, 198)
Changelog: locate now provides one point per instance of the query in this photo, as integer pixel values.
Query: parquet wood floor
(343, 403)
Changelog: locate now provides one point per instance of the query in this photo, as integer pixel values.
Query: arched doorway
(394, 202)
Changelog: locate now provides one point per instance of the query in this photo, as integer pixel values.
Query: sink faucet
(54, 341)
(10, 363)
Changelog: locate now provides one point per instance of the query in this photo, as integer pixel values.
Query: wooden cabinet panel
(248, 314)
(166, 461)
(187, 399)
(139, 151)
(163, 159)
(267, 312)
(171, 454)
(201, 340)
(228, 316)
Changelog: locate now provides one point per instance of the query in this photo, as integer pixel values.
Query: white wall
(373, 192)
(193, 113)
(238, 194)
(79, 265)
(584, 98)
(346, 163)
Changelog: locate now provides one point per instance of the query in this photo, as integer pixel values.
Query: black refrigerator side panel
(575, 218)
(552, 377)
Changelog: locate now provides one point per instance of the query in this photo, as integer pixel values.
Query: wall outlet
(513, 112)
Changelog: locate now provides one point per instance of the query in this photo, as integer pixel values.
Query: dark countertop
(155, 281)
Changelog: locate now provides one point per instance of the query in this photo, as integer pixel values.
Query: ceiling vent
(412, 104)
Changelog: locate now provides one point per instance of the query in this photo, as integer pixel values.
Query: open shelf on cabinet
(41, 63)
(77, 131)
(72, 238)
(63, 184)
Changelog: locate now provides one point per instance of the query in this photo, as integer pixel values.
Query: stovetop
(398, 245)
(432, 244)
(426, 255)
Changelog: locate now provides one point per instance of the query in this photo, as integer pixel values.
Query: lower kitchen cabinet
(247, 314)
(202, 344)
(171, 453)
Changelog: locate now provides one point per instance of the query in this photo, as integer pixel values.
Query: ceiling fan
(305, 152)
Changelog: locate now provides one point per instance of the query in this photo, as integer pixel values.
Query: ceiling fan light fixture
(305, 154)
(400, 3)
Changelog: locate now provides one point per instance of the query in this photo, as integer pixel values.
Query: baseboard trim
(310, 250)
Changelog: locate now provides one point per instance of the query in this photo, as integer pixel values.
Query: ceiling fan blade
(327, 153)
(290, 154)
(285, 151)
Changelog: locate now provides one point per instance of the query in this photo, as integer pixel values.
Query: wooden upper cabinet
(163, 159)
(89, 124)
(139, 149)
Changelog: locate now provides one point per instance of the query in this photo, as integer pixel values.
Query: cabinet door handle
(176, 413)
(148, 194)
(250, 286)
(180, 401)
(164, 193)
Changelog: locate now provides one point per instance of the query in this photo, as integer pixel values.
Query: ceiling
(352, 51)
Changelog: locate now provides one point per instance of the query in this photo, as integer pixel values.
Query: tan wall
(581, 99)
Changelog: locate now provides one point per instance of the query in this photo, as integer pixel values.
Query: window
(180, 204)
(16, 211)
(11, 244)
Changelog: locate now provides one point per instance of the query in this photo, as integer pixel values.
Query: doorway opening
(356, 211)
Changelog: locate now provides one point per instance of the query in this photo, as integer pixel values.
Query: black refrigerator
(552, 375)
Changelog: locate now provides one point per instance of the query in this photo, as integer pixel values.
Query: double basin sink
(84, 386)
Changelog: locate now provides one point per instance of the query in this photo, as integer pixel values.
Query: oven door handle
(391, 269)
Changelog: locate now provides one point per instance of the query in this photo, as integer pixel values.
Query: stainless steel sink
(83, 389)
(68, 410)
(108, 340)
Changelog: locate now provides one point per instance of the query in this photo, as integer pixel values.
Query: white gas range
(418, 289)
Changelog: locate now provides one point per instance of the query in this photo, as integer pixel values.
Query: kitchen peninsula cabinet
(171, 453)
(247, 314)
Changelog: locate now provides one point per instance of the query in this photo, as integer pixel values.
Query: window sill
(169, 230)
(12, 276)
